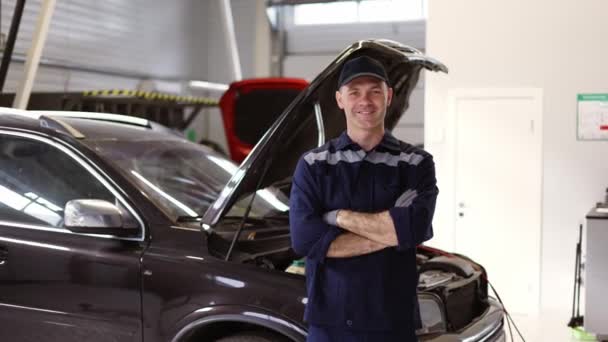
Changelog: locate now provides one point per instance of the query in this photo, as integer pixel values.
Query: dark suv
(102, 238)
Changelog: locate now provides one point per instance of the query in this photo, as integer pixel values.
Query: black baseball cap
(362, 66)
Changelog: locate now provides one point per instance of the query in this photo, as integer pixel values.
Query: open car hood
(314, 117)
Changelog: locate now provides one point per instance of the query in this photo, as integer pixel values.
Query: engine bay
(459, 283)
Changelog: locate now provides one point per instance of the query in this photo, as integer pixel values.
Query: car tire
(253, 336)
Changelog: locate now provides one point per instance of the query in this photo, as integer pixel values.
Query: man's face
(364, 101)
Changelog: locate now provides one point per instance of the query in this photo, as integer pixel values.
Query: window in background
(390, 10)
(364, 11)
(341, 12)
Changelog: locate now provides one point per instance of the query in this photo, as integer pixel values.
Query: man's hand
(378, 227)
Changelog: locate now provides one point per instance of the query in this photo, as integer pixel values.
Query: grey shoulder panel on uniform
(349, 156)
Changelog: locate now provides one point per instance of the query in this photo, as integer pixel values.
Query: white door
(497, 151)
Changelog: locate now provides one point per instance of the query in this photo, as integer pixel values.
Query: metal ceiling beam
(24, 89)
(233, 51)
(10, 43)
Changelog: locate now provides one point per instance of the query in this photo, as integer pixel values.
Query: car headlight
(431, 314)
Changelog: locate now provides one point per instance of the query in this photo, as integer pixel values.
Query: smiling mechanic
(359, 206)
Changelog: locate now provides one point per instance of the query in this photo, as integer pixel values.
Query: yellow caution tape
(151, 96)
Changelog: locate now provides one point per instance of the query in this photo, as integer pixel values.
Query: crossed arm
(348, 245)
(366, 233)
(346, 233)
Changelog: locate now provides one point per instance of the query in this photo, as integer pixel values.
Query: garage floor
(546, 327)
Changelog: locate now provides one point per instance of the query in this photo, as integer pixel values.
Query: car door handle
(3, 256)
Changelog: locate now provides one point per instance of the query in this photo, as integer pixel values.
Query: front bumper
(489, 327)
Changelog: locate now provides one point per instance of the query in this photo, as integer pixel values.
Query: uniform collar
(344, 141)
(388, 142)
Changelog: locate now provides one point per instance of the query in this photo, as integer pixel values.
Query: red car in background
(250, 107)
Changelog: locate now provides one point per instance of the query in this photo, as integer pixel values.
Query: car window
(37, 180)
(181, 178)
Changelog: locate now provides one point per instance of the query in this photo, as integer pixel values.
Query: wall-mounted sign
(592, 114)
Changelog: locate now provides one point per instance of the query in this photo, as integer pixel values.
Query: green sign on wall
(592, 116)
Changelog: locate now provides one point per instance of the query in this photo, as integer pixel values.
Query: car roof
(106, 130)
(87, 126)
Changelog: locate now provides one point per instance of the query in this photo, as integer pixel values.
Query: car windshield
(184, 178)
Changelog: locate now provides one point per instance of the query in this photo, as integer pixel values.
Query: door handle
(461, 207)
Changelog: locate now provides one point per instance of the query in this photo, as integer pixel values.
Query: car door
(56, 285)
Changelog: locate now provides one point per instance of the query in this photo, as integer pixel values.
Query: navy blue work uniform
(369, 297)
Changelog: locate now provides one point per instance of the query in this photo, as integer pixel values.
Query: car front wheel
(253, 336)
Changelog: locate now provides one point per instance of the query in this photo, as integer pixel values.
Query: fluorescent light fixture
(208, 85)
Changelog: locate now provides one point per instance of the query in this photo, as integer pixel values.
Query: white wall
(557, 46)
(323, 39)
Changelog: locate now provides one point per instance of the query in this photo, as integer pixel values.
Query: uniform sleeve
(310, 235)
(413, 211)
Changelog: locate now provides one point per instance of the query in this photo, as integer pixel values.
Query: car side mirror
(93, 216)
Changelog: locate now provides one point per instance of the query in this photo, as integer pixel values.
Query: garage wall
(132, 40)
(311, 48)
(253, 42)
(521, 44)
(328, 39)
(128, 39)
